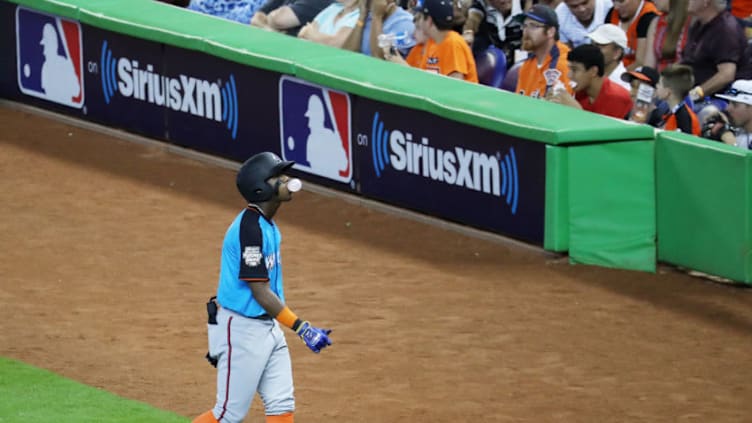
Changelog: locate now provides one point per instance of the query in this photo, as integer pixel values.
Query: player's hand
(315, 338)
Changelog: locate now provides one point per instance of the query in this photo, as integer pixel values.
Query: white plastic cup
(294, 185)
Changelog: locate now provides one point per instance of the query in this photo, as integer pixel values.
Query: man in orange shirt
(445, 51)
(634, 17)
(546, 67)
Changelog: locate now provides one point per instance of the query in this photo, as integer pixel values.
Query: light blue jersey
(250, 252)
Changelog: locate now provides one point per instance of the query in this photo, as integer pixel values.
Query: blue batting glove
(315, 338)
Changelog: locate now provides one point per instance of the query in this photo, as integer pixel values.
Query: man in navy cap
(546, 66)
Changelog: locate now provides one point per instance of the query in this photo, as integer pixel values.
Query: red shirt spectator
(612, 100)
(594, 92)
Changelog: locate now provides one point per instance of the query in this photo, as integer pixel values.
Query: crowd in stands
(677, 65)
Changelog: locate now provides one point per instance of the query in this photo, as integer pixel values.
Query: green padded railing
(704, 205)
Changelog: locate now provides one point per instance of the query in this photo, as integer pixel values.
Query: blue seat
(491, 66)
(510, 79)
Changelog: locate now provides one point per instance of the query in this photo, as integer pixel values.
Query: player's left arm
(315, 338)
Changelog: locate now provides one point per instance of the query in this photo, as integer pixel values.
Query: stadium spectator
(546, 66)
(593, 92)
(648, 77)
(460, 8)
(716, 49)
(287, 15)
(492, 22)
(612, 41)
(673, 87)
(578, 18)
(668, 34)
(716, 125)
(333, 25)
(235, 10)
(418, 56)
(445, 51)
(742, 9)
(634, 17)
(384, 17)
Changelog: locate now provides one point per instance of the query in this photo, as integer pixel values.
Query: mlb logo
(315, 129)
(49, 56)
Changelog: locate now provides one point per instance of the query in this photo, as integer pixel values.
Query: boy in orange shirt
(673, 87)
(445, 51)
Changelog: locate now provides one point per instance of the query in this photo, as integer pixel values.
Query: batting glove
(315, 338)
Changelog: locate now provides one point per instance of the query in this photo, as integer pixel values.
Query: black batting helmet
(254, 173)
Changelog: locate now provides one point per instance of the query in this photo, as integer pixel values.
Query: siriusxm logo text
(471, 169)
(489, 174)
(182, 93)
(186, 94)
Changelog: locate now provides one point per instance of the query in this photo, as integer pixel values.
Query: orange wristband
(287, 317)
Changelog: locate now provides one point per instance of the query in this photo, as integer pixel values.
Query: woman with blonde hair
(667, 35)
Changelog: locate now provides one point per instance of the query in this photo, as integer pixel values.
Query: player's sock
(282, 418)
(207, 417)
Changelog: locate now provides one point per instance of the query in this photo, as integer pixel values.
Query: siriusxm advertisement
(160, 91)
(186, 97)
(459, 172)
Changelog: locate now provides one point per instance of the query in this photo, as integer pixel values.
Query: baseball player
(246, 343)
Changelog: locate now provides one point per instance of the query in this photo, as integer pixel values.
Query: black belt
(261, 317)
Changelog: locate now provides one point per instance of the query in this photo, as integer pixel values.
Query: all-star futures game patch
(252, 256)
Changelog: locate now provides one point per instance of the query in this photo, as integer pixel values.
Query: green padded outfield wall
(704, 205)
(612, 205)
(559, 127)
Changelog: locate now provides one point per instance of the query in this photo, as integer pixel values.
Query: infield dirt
(110, 250)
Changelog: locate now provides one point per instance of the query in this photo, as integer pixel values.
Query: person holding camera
(716, 126)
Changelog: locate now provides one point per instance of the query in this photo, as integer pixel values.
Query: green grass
(32, 395)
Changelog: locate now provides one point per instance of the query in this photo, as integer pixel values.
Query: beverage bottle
(403, 40)
(396, 42)
(386, 40)
(644, 99)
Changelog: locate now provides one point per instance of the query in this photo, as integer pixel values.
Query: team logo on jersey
(271, 261)
(49, 57)
(252, 256)
(213, 100)
(494, 174)
(315, 129)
